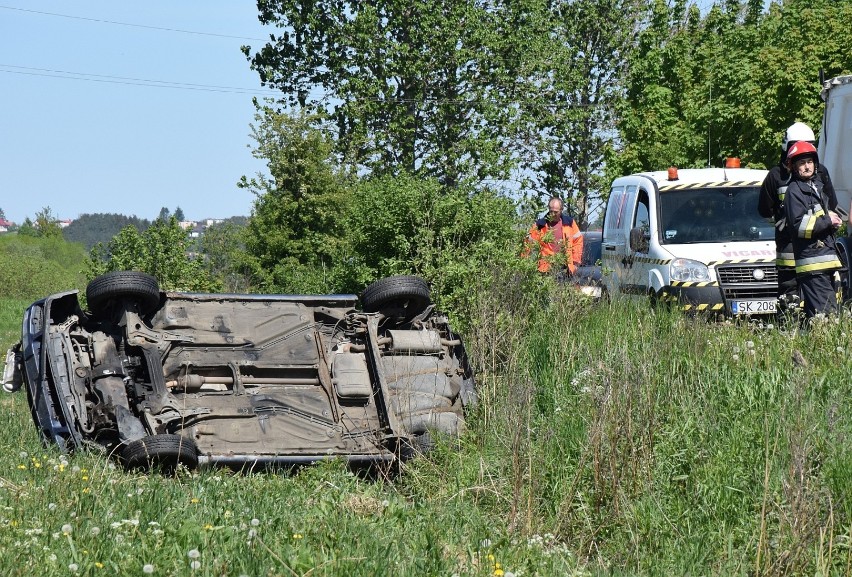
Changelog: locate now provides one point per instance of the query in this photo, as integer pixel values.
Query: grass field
(610, 439)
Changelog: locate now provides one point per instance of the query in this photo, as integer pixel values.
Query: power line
(129, 81)
(133, 25)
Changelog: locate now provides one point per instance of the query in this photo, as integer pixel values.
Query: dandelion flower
(195, 565)
(148, 568)
(66, 529)
(255, 522)
(193, 554)
(95, 531)
(73, 567)
(51, 506)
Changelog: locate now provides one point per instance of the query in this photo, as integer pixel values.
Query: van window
(720, 214)
(615, 208)
(642, 218)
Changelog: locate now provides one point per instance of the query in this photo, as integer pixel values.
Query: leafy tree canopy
(162, 250)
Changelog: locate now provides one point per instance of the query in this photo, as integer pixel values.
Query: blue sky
(87, 126)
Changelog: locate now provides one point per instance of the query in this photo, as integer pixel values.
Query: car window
(591, 249)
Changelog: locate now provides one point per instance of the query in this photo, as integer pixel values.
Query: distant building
(5, 225)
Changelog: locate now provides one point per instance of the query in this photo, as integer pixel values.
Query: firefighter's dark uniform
(814, 250)
(771, 205)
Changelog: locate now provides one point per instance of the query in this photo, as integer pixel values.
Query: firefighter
(771, 205)
(812, 224)
(558, 239)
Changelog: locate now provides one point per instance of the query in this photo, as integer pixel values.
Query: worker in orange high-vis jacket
(558, 239)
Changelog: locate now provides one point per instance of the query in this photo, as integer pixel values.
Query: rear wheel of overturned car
(402, 297)
(162, 453)
(134, 286)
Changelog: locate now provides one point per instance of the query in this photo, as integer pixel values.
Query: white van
(692, 237)
(835, 153)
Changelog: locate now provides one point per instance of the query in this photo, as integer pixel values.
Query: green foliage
(295, 230)
(427, 98)
(610, 438)
(452, 238)
(223, 248)
(33, 267)
(162, 250)
(91, 229)
(47, 224)
(576, 59)
(727, 83)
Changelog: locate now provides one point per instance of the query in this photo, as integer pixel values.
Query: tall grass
(610, 438)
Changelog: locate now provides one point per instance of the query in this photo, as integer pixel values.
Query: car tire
(402, 297)
(160, 452)
(123, 285)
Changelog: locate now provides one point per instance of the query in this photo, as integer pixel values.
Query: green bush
(34, 267)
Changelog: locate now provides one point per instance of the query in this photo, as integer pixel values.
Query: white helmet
(798, 131)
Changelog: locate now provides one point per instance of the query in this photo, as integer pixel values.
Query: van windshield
(712, 214)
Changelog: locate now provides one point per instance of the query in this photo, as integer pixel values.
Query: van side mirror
(640, 240)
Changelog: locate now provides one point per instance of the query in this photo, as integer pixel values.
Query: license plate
(753, 307)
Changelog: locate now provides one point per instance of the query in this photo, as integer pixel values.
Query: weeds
(609, 438)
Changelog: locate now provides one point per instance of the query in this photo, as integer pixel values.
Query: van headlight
(688, 270)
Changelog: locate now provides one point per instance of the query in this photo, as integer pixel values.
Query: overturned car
(158, 379)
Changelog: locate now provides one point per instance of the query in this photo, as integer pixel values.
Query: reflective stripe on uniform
(817, 263)
(806, 227)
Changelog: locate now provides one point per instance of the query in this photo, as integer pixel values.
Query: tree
(222, 246)
(576, 62)
(179, 214)
(296, 223)
(28, 228)
(423, 86)
(2, 214)
(162, 250)
(727, 83)
(91, 229)
(164, 214)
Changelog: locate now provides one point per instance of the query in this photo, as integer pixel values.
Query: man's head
(554, 209)
(797, 132)
(802, 159)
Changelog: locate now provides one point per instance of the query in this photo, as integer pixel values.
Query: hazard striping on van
(642, 259)
(677, 283)
(725, 183)
(770, 261)
(704, 307)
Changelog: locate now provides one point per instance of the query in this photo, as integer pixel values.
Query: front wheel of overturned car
(162, 453)
(402, 297)
(123, 285)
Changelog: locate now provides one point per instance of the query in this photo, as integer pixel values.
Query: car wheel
(402, 297)
(160, 452)
(120, 285)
